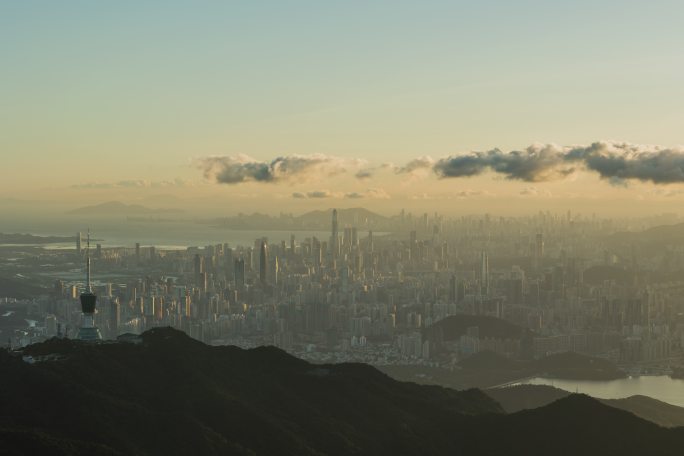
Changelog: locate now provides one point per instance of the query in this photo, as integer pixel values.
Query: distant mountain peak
(119, 208)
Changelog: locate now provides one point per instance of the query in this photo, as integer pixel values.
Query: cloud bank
(615, 162)
(242, 168)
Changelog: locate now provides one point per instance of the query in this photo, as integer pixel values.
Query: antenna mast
(89, 288)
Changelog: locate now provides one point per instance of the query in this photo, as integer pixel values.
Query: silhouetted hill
(575, 366)
(487, 369)
(574, 425)
(656, 236)
(25, 238)
(119, 208)
(521, 397)
(172, 395)
(488, 360)
(454, 326)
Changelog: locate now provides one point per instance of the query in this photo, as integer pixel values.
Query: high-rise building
(452, 289)
(276, 271)
(198, 268)
(484, 274)
(539, 246)
(239, 273)
(413, 245)
(334, 238)
(263, 262)
(137, 252)
(88, 330)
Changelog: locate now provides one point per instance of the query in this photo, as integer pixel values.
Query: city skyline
(328, 228)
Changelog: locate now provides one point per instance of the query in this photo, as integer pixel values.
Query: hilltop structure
(88, 330)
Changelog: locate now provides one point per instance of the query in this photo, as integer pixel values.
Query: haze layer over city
(342, 228)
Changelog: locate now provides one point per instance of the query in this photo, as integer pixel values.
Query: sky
(129, 101)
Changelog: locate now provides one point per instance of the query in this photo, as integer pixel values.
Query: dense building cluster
(360, 295)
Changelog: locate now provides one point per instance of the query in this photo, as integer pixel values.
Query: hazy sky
(110, 92)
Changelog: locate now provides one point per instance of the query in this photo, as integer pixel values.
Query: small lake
(660, 387)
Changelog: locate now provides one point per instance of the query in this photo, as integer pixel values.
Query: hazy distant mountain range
(119, 208)
(21, 238)
(171, 395)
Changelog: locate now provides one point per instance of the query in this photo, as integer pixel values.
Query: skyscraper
(484, 274)
(88, 330)
(334, 239)
(452, 289)
(539, 246)
(239, 273)
(276, 271)
(263, 262)
(198, 268)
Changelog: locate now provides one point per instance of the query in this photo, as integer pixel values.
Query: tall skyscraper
(452, 289)
(413, 246)
(539, 246)
(484, 274)
(198, 268)
(239, 273)
(263, 262)
(88, 330)
(137, 252)
(276, 271)
(334, 239)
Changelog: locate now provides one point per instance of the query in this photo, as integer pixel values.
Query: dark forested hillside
(172, 395)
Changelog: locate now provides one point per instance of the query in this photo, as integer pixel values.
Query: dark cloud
(534, 164)
(319, 194)
(371, 193)
(241, 168)
(622, 162)
(416, 164)
(364, 174)
(353, 195)
(315, 194)
(616, 162)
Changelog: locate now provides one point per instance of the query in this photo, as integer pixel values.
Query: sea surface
(162, 235)
(660, 387)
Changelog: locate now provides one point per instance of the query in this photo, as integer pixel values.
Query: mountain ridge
(119, 208)
(169, 394)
